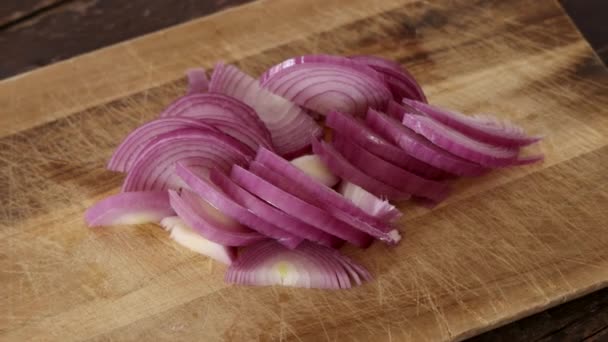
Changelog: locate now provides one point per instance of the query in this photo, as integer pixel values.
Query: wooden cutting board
(503, 246)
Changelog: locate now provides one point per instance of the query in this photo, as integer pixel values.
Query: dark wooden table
(34, 33)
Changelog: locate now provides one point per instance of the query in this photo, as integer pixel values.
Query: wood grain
(504, 246)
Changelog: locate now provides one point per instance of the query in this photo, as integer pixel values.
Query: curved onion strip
(384, 233)
(362, 135)
(345, 170)
(298, 208)
(388, 173)
(323, 87)
(369, 203)
(459, 144)
(215, 105)
(239, 131)
(313, 166)
(279, 218)
(289, 125)
(127, 153)
(129, 208)
(197, 81)
(218, 196)
(202, 149)
(486, 128)
(308, 266)
(400, 82)
(210, 222)
(419, 147)
(184, 235)
(314, 192)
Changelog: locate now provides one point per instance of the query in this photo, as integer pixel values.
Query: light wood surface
(503, 246)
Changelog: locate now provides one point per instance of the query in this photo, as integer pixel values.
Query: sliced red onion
(388, 173)
(184, 235)
(369, 203)
(208, 221)
(217, 106)
(362, 135)
(197, 81)
(308, 266)
(129, 208)
(239, 131)
(400, 82)
(130, 149)
(219, 195)
(199, 149)
(525, 160)
(345, 170)
(300, 184)
(459, 144)
(324, 83)
(313, 166)
(298, 208)
(266, 211)
(485, 129)
(289, 125)
(419, 147)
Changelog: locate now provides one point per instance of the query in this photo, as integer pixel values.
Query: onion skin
(130, 208)
(419, 147)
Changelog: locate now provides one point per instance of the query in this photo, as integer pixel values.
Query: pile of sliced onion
(236, 169)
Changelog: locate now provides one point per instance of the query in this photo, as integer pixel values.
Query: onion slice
(197, 81)
(127, 153)
(290, 126)
(279, 218)
(215, 105)
(200, 149)
(459, 144)
(485, 129)
(388, 173)
(300, 184)
(184, 235)
(208, 221)
(400, 82)
(308, 266)
(419, 147)
(362, 135)
(297, 207)
(346, 170)
(129, 208)
(313, 166)
(220, 196)
(369, 203)
(324, 83)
